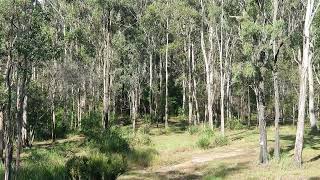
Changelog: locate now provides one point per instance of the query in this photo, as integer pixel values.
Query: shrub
(219, 140)
(43, 164)
(142, 139)
(144, 129)
(204, 142)
(91, 125)
(113, 141)
(235, 124)
(96, 166)
(208, 138)
(193, 130)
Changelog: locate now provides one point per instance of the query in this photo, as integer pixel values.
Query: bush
(43, 164)
(91, 125)
(112, 141)
(193, 130)
(96, 166)
(220, 140)
(142, 139)
(209, 139)
(144, 129)
(205, 139)
(235, 124)
(204, 142)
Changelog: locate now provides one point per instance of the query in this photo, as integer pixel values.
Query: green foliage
(193, 130)
(204, 142)
(235, 124)
(205, 138)
(92, 125)
(43, 164)
(110, 141)
(208, 139)
(220, 140)
(38, 115)
(96, 166)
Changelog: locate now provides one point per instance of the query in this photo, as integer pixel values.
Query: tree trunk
(1, 134)
(53, 113)
(208, 67)
(263, 157)
(249, 108)
(25, 139)
(167, 76)
(303, 83)
(21, 82)
(277, 116)
(150, 85)
(221, 74)
(194, 94)
(189, 81)
(313, 121)
(8, 122)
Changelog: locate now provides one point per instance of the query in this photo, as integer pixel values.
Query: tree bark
(150, 82)
(167, 76)
(25, 139)
(208, 68)
(276, 88)
(1, 134)
(263, 157)
(306, 58)
(221, 73)
(189, 82)
(277, 116)
(312, 116)
(8, 120)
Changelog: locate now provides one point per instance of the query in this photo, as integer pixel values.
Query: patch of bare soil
(194, 167)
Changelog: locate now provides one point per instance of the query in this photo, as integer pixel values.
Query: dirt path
(194, 167)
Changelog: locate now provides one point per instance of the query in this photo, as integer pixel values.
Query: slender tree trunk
(8, 121)
(221, 73)
(277, 116)
(106, 72)
(194, 94)
(313, 121)
(303, 82)
(1, 134)
(263, 157)
(189, 81)
(249, 108)
(21, 82)
(167, 49)
(293, 114)
(208, 68)
(25, 138)
(276, 89)
(150, 85)
(53, 113)
(134, 108)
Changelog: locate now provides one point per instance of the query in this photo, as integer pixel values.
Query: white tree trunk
(24, 123)
(310, 10)
(167, 76)
(313, 121)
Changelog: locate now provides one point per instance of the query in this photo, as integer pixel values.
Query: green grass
(158, 148)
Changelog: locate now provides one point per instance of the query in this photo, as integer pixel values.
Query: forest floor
(178, 157)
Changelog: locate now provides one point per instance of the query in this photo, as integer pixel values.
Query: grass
(177, 145)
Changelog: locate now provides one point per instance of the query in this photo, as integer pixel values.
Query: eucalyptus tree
(311, 9)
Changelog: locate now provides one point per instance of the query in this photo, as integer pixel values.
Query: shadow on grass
(310, 141)
(223, 170)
